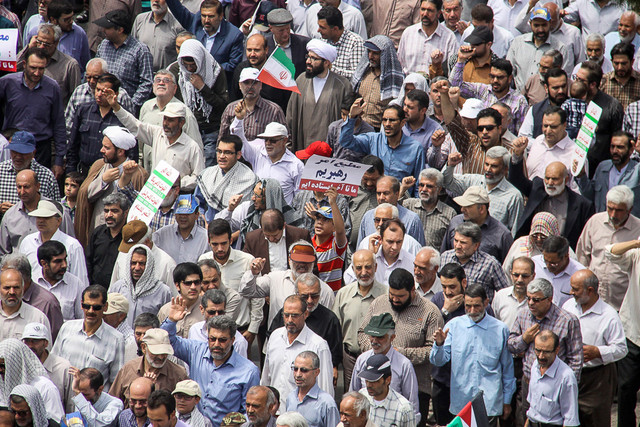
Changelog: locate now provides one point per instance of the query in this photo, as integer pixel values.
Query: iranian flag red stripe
(473, 414)
(279, 72)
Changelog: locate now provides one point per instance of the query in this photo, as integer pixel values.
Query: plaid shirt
(83, 94)
(8, 192)
(482, 269)
(627, 93)
(256, 121)
(132, 63)
(435, 223)
(128, 419)
(631, 122)
(562, 323)
(514, 99)
(350, 49)
(394, 411)
(576, 109)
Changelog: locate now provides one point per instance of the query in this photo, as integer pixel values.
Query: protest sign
(153, 192)
(8, 49)
(320, 173)
(585, 137)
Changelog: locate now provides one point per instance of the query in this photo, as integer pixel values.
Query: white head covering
(322, 49)
(120, 137)
(206, 67)
(418, 80)
(35, 402)
(21, 365)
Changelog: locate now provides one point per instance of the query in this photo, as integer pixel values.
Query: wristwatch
(445, 311)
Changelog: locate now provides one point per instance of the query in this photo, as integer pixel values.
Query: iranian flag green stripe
(278, 72)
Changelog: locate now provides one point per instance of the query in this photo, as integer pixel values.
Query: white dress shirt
(405, 260)
(352, 20)
(409, 244)
(198, 331)
(630, 262)
(506, 15)
(11, 326)
(561, 281)
(593, 18)
(278, 258)
(435, 288)
(600, 326)
(506, 306)
(99, 414)
(68, 291)
(541, 155)
(281, 354)
(607, 67)
(414, 50)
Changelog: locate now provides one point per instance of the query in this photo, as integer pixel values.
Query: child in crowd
(576, 107)
(71, 186)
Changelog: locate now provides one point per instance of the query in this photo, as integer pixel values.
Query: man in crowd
(96, 406)
(136, 414)
(188, 394)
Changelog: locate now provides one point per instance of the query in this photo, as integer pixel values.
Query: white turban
(322, 49)
(120, 137)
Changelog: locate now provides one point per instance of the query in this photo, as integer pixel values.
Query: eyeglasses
(428, 186)
(43, 43)
(221, 340)
(96, 307)
(313, 58)
(307, 296)
(272, 140)
(190, 283)
(536, 300)
(183, 396)
(291, 315)
(488, 128)
(20, 414)
(541, 351)
(380, 219)
(162, 80)
(303, 370)
(225, 152)
(215, 312)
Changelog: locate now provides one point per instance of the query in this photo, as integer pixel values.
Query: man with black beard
(555, 83)
(322, 93)
(416, 321)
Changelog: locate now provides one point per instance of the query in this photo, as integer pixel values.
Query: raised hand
(454, 159)
(178, 309)
(257, 265)
(234, 201)
(439, 336)
(437, 138)
(437, 56)
(240, 110)
(357, 108)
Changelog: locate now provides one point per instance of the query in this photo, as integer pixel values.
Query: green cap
(380, 325)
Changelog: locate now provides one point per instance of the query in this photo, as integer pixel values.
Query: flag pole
(259, 71)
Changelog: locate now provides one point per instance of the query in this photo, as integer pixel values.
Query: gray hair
(147, 236)
(595, 37)
(165, 72)
(210, 263)
(636, 18)
(223, 323)
(216, 296)
(591, 282)
(17, 261)
(119, 199)
(556, 56)
(394, 209)
(541, 285)
(469, 229)
(146, 320)
(621, 195)
(103, 64)
(292, 419)
(315, 360)
(360, 402)
(434, 261)
(271, 397)
(499, 152)
(17, 271)
(50, 29)
(432, 174)
(308, 279)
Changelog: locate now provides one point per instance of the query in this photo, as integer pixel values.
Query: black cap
(115, 18)
(480, 34)
(377, 366)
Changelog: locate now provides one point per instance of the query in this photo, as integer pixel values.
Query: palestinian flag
(474, 414)
(279, 72)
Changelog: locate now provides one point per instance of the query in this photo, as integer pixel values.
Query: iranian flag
(473, 414)
(278, 72)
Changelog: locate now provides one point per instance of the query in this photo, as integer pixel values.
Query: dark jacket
(256, 244)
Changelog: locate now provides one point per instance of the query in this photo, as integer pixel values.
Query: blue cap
(325, 211)
(186, 204)
(22, 142)
(540, 13)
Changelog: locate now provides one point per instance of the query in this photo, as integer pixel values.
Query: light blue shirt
(317, 407)
(224, 387)
(480, 361)
(424, 133)
(409, 218)
(554, 395)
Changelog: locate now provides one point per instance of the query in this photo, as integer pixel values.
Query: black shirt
(102, 253)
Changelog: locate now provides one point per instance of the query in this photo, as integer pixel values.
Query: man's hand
(249, 336)
(591, 352)
(240, 110)
(309, 207)
(112, 99)
(234, 201)
(454, 159)
(437, 138)
(332, 196)
(374, 243)
(443, 87)
(4, 206)
(506, 411)
(129, 167)
(530, 334)
(439, 336)
(407, 183)
(75, 373)
(574, 169)
(196, 81)
(335, 376)
(437, 56)
(111, 175)
(246, 27)
(153, 376)
(178, 309)
(461, 26)
(357, 108)
(32, 42)
(465, 53)
(454, 94)
(58, 171)
(519, 145)
(453, 303)
(257, 265)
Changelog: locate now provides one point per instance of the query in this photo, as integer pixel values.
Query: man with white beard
(552, 195)
(595, 46)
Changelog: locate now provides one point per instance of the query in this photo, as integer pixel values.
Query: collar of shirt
(482, 324)
(561, 145)
(302, 337)
(161, 371)
(25, 84)
(124, 43)
(191, 233)
(427, 125)
(436, 33)
(551, 370)
(597, 308)
(386, 403)
(289, 44)
(312, 393)
(502, 186)
(57, 56)
(356, 291)
(231, 361)
(531, 41)
(182, 139)
(634, 76)
(38, 277)
(56, 236)
(19, 313)
(233, 255)
(436, 287)
(282, 239)
(99, 333)
(549, 315)
(212, 36)
(380, 257)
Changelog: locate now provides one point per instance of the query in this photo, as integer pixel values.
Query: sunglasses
(215, 312)
(20, 414)
(482, 128)
(303, 370)
(190, 283)
(96, 307)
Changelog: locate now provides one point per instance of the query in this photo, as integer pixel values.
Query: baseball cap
(261, 23)
(320, 148)
(273, 130)
(376, 367)
(22, 142)
(35, 331)
(233, 419)
(302, 253)
(474, 195)
(279, 17)
(380, 325)
(157, 340)
(115, 18)
(132, 232)
(540, 13)
(117, 303)
(480, 34)
(174, 109)
(188, 387)
(249, 73)
(186, 204)
(471, 108)
(47, 209)
(325, 211)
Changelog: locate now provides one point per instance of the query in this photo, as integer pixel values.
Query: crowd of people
(491, 250)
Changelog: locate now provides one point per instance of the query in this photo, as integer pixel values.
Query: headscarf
(391, 76)
(148, 282)
(35, 402)
(418, 80)
(543, 223)
(206, 67)
(22, 366)
(274, 199)
(120, 137)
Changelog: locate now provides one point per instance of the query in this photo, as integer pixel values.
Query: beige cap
(174, 109)
(157, 340)
(474, 195)
(117, 303)
(47, 209)
(188, 387)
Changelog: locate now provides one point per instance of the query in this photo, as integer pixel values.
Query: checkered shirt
(8, 192)
(576, 109)
(395, 410)
(627, 93)
(350, 49)
(83, 94)
(482, 269)
(631, 122)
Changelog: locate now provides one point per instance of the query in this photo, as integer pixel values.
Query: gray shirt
(168, 239)
(160, 37)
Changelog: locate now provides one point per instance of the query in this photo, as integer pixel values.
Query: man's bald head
(556, 169)
(272, 220)
(363, 255)
(27, 175)
(141, 386)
